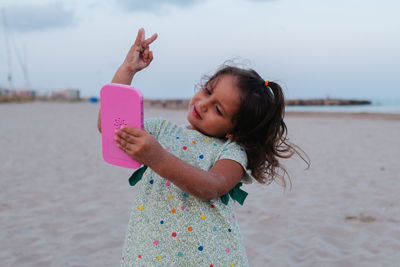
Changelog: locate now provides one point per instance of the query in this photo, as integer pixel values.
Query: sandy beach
(62, 205)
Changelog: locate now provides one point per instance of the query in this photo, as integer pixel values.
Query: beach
(62, 205)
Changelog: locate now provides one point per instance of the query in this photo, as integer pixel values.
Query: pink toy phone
(119, 105)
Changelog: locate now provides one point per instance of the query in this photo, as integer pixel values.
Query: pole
(8, 50)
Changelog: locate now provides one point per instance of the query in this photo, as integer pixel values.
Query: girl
(184, 210)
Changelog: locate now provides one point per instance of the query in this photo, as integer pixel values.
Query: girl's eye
(208, 92)
(218, 111)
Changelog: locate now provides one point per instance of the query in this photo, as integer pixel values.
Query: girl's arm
(138, 58)
(206, 185)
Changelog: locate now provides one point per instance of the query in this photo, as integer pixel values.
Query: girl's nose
(203, 105)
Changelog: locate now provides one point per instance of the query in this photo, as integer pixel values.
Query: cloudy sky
(342, 48)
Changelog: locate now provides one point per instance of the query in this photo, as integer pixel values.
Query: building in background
(66, 94)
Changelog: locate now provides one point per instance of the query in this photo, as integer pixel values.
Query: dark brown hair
(259, 126)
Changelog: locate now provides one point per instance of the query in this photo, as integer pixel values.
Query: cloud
(155, 5)
(38, 17)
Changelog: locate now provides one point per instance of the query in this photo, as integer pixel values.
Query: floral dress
(169, 227)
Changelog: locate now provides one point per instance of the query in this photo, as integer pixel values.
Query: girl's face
(212, 108)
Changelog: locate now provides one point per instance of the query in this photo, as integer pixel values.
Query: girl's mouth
(195, 113)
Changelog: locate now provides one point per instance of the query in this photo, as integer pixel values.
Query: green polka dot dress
(169, 227)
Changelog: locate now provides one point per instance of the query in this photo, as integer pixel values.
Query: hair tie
(266, 83)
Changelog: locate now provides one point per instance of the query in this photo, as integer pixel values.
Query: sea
(377, 106)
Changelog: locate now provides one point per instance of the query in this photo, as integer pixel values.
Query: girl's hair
(259, 126)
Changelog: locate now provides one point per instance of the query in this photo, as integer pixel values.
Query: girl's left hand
(140, 56)
(139, 145)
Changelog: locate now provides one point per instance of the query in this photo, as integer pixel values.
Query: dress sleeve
(233, 151)
(153, 126)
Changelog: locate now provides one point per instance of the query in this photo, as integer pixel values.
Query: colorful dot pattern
(169, 227)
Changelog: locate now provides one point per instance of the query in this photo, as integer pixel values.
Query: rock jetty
(184, 103)
(326, 102)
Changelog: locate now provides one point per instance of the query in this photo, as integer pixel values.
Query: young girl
(183, 214)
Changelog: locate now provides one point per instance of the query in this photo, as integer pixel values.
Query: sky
(313, 48)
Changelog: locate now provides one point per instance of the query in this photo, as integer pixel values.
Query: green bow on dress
(137, 175)
(236, 194)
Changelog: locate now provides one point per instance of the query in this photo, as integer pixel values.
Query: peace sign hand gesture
(138, 58)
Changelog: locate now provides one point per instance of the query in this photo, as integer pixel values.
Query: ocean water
(377, 106)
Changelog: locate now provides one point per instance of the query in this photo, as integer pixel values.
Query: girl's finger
(139, 37)
(129, 139)
(123, 148)
(142, 37)
(124, 145)
(119, 133)
(146, 54)
(121, 142)
(148, 41)
(127, 147)
(125, 137)
(121, 139)
(132, 131)
(150, 57)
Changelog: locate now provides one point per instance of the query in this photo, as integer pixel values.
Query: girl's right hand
(139, 56)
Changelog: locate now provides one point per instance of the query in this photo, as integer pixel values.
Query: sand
(62, 205)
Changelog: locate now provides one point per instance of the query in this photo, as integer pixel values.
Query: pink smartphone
(119, 105)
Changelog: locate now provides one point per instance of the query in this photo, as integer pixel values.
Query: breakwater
(184, 103)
